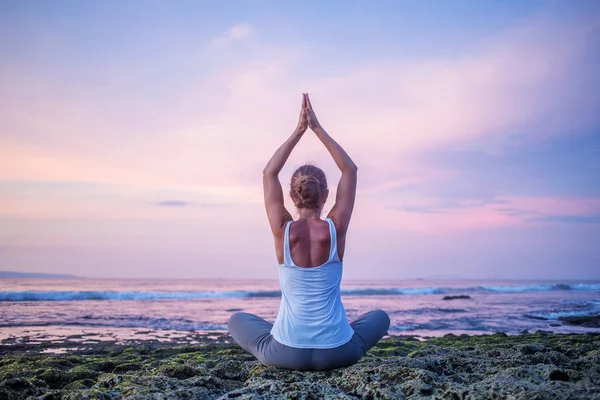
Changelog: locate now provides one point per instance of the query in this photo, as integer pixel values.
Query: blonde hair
(308, 186)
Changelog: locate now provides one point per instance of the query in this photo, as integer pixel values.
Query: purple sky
(133, 135)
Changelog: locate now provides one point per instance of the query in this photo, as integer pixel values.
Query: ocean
(416, 307)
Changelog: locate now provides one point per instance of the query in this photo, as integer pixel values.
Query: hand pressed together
(307, 118)
(313, 122)
(303, 118)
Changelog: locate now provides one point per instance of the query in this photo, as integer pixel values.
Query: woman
(311, 331)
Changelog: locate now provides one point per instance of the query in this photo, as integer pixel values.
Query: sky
(133, 134)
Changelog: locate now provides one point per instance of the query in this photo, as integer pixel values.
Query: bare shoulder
(278, 236)
(340, 229)
(279, 233)
(341, 232)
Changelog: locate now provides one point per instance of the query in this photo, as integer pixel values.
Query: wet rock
(16, 384)
(231, 370)
(531, 348)
(126, 367)
(179, 371)
(590, 321)
(79, 385)
(536, 366)
(55, 378)
(460, 296)
(558, 375)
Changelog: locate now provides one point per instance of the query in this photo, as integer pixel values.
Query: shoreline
(534, 365)
(55, 338)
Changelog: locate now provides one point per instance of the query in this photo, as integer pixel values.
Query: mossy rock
(231, 370)
(485, 366)
(179, 371)
(102, 366)
(89, 394)
(60, 362)
(83, 372)
(125, 367)
(16, 384)
(55, 378)
(110, 380)
(400, 348)
(80, 384)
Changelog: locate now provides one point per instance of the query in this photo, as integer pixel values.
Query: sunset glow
(133, 136)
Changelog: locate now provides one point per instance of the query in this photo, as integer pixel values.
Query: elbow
(351, 168)
(269, 171)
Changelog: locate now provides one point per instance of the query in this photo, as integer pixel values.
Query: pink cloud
(378, 110)
(428, 216)
(212, 137)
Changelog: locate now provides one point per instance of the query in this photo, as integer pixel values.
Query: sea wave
(176, 324)
(535, 288)
(395, 291)
(561, 314)
(571, 308)
(12, 296)
(116, 295)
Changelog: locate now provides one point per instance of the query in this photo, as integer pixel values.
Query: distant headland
(38, 275)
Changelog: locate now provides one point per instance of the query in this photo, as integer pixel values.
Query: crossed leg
(253, 334)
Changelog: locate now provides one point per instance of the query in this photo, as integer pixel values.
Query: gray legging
(254, 335)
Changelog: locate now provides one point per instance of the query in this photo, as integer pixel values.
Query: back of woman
(311, 331)
(311, 313)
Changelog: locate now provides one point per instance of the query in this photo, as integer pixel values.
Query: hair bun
(306, 179)
(307, 186)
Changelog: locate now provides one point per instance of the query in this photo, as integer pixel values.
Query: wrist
(298, 131)
(318, 129)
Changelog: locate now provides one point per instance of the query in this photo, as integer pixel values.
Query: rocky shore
(528, 366)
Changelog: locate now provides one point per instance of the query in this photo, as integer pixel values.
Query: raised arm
(346, 190)
(276, 211)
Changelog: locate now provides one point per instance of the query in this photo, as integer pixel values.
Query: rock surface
(526, 366)
(589, 321)
(457, 297)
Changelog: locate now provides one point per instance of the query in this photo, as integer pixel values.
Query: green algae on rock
(536, 366)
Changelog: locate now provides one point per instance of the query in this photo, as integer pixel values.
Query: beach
(308, 168)
(451, 339)
(147, 364)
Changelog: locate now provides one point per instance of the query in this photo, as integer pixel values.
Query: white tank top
(311, 314)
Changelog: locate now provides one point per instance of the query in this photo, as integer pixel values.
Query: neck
(306, 213)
